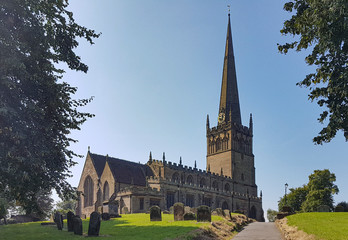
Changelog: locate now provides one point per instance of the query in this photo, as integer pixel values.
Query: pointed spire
(164, 158)
(229, 100)
(251, 124)
(208, 124)
(261, 194)
(150, 157)
(195, 164)
(180, 161)
(89, 148)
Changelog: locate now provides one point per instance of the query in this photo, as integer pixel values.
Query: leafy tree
(344, 205)
(321, 188)
(294, 199)
(322, 27)
(271, 215)
(37, 109)
(65, 206)
(3, 209)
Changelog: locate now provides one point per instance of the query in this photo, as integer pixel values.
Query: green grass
(131, 226)
(326, 226)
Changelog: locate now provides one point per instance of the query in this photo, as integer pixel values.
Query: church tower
(229, 144)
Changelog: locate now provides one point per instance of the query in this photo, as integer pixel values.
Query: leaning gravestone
(77, 225)
(323, 208)
(155, 213)
(219, 212)
(179, 211)
(58, 219)
(94, 224)
(227, 214)
(203, 214)
(70, 218)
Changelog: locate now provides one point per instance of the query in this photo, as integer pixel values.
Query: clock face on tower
(221, 117)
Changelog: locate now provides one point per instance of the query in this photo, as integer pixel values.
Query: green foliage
(129, 227)
(65, 206)
(294, 199)
(325, 226)
(271, 215)
(344, 205)
(37, 111)
(318, 191)
(322, 27)
(3, 208)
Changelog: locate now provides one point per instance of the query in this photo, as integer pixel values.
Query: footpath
(259, 231)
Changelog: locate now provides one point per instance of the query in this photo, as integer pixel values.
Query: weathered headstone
(58, 219)
(77, 225)
(94, 224)
(105, 216)
(219, 212)
(227, 214)
(171, 210)
(70, 221)
(155, 213)
(179, 211)
(323, 208)
(189, 216)
(187, 209)
(203, 214)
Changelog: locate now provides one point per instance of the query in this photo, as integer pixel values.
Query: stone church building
(228, 181)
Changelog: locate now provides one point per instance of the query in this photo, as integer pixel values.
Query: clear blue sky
(156, 73)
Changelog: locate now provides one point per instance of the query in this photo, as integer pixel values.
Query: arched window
(224, 205)
(88, 191)
(106, 191)
(190, 180)
(175, 177)
(202, 183)
(227, 187)
(215, 186)
(218, 144)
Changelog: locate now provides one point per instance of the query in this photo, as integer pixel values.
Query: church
(113, 185)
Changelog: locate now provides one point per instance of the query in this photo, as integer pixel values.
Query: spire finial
(261, 194)
(208, 124)
(229, 9)
(89, 148)
(150, 157)
(164, 157)
(251, 123)
(180, 160)
(195, 164)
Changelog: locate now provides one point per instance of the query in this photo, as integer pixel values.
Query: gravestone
(70, 221)
(179, 211)
(203, 214)
(105, 216)
(125, 210)
(187, 209)
(227, 214)
(189, 216)
(58, 219)
(219, 212)
(77, 225)
(323, 208)
(155, 213)
(171, 210)
(94, 224)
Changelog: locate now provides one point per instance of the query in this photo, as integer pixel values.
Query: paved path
(259, 231)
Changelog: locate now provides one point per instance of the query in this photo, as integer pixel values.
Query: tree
(294, 199)
(3, 209)
(344, 206)
(321, 188)
(37, 109)
(66, 205)
(318, 191)
(271, 215)
(322, 27)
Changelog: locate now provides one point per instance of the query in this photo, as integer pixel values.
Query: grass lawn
(131, 226)
(326, 226)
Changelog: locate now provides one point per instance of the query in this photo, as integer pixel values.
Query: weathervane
(229, 8)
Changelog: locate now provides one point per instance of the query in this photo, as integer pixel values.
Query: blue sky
(156, 72)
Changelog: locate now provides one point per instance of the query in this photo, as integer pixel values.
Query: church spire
(229, 100)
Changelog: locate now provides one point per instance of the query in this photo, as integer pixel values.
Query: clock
(221, 117)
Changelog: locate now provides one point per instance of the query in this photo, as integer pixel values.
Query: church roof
(123, 171)
(229, 99)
